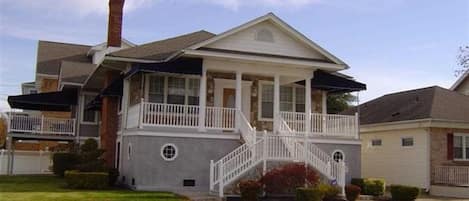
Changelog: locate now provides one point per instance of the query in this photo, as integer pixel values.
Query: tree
(339, 102)
(463, 60)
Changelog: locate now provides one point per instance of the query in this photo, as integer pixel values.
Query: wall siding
(283, 44)
(394, 163)
(464, 87)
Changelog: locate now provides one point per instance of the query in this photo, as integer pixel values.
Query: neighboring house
(200, 111)
(418, 137)
(462, 84)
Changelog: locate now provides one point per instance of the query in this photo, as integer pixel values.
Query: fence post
(211, 176)
(264, 153)
(342, 175)
(42, 124)
(357, 126)
(1, 159)
(140, 114)
(220, 177)
(40, 161)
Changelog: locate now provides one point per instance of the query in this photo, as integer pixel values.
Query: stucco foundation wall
(352, 157)
(152, 172)
(394, 163)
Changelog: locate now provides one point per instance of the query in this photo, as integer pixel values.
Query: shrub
(330, 192)
(250, 190)
(90, 157)
(404, 193)
(309, 194)
(113, 175)
(370, 186)
(63, 162)
(352, 192)
(287, 178)
(86, 180)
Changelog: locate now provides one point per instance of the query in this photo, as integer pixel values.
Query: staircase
(285, 146)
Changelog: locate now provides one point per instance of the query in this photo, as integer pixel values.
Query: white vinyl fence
(27, 162)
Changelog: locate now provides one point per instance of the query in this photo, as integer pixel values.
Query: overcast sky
(391, 45)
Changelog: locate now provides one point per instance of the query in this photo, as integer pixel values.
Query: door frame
(221, 84)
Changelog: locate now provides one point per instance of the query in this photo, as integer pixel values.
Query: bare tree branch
(463, 60)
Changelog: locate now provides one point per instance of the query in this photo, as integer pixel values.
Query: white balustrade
(451, 175)
(323, 124)
(41, 125)
(220, 118)
(169, 115)
(247, 131)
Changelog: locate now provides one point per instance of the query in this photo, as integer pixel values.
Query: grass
(51, 188)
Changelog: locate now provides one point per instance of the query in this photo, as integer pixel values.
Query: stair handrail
(247, 131)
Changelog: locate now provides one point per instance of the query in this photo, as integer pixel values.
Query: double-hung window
(88, 116)
(461, 146)
(292, 99)
(173, 90)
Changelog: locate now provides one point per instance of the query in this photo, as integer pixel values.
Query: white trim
(113, 58)
(464, 145)
(418, 123)
(129, 151)
(335, 141)
(407, 137)
(175, 152)
(182, 135)
(338, 151)
(460, 80)
(47, 75)
(82, 103)
(281, 24)
(265, 59)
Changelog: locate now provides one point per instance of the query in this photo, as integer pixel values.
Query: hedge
(370, 186)
(86, 180)
(309, 194)
(404, 193)
(330, 192)
(63, 162)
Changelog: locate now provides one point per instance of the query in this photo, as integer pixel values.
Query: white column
(202, 99)
(238, 98)
(276, 102)
(125, 103)
(324, 102)
(308, 104)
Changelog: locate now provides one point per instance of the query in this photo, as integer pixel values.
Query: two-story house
(200, 111)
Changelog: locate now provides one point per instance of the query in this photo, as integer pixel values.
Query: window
(129, 151)
(376, 142)
(461, 146)
(173, 90)
(292, 99)
(265, 35)
(33, 91)
(338, 155)
(156, 89)
(89, 116)
(169, 152)
(407, 142)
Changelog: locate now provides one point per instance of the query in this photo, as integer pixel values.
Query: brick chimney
(114, 32)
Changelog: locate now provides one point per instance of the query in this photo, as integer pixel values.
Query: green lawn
(51, 188)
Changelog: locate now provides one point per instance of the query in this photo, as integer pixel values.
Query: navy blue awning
(49, 101)
(334, 83)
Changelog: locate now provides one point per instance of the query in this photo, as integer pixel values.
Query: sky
(390, 45)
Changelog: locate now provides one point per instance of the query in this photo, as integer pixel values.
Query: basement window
(407, 142)
(169, 152)
(188, 182)
(338, 156)
(376, 142)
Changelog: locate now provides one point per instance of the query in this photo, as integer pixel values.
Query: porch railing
(41, 125)
(451, 175)
(179, 116)
(323, 124)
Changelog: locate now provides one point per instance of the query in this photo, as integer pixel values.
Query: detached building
(418, 137)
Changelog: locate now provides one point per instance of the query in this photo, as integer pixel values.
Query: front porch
(22, 123)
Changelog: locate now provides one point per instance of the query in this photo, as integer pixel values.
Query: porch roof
(49, 101)
(182, 65)
(334, 83)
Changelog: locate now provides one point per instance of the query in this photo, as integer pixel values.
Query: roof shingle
(50, 55)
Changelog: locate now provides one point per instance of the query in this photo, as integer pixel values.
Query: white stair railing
(283, 147)
(247, 131)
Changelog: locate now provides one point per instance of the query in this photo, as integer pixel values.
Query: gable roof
(425, 103)
(283, 26)
(75, 72)
(162, 49)
(460, 80)
(50, 55)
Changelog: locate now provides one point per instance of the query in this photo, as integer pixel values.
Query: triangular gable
(287, 41)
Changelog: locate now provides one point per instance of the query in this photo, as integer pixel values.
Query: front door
(229, 98)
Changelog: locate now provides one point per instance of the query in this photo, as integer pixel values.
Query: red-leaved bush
(287, 178)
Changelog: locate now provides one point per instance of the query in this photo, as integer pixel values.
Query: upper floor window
(292, 99)
(173, 90)
(461, 146)
(407, 142)
(265, 35)
(88, 116)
